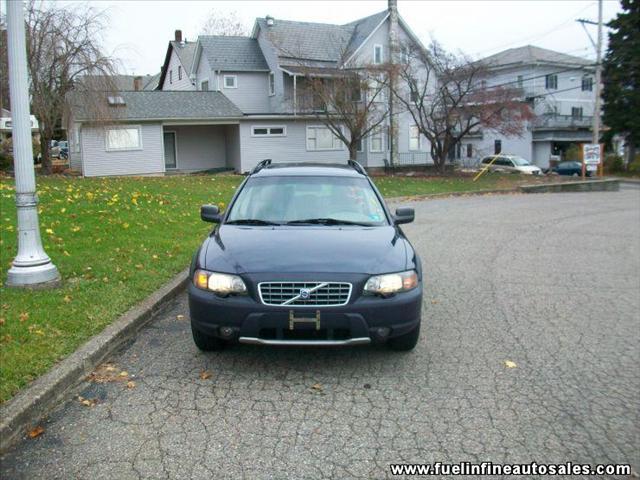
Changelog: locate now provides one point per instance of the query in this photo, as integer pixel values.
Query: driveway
(550, 282)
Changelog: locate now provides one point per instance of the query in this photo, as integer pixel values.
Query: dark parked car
(570, 168)
(306, 254)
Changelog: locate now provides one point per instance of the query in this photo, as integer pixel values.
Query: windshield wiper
(327, 221)
(251, 221)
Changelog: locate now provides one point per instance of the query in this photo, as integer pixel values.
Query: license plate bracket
(293, 320)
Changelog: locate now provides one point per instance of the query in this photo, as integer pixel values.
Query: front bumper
(363, 319)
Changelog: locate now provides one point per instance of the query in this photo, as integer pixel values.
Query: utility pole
(596, 113)
(31, 267)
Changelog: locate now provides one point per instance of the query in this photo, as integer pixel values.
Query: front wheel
(205, 342)
(405, 342)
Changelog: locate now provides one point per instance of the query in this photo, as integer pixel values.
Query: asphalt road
(550, 282)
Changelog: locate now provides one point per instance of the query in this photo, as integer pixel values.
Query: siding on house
(276, 102)
(99, 162)
(252, 92)
(292, 148)
(204, 74)
(232, 136)
(199, 147)
(177, 84)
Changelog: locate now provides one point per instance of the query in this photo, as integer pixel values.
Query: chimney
(178, 36)
(137, 83)
(269, 20)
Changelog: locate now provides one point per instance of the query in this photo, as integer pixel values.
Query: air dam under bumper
(359, 322)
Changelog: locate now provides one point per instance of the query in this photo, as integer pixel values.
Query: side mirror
(404, 215)
(210, 213)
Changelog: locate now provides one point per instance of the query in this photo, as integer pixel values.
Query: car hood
(241, 249)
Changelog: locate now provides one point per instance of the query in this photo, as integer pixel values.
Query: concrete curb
(35, 402)
(579, 186)
(427, 196)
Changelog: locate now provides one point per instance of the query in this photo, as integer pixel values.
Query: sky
(138, 31)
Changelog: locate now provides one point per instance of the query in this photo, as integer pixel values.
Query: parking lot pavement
(549, 282)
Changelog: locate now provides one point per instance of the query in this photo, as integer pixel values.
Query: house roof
(163, 105)
(530, 54)
(118, 82)
(233, 53)
(150, 82)
(185, 52)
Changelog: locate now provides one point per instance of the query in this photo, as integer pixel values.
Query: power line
(539, 76)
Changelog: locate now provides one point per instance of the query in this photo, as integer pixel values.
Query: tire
(205, 342)
(405, 342)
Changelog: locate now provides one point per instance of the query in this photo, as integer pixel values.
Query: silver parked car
(510, 164)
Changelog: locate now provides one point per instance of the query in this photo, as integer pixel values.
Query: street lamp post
(31, 267)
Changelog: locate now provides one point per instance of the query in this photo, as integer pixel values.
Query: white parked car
(510, 164)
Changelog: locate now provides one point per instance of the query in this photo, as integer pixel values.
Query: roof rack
(261, 165)
(357, 167)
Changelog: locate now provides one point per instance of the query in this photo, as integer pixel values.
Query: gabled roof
(319, 42)
(163, 105)
(117, 82)
(231, 53)
(150, 82)
(184, 51)
(530, 55)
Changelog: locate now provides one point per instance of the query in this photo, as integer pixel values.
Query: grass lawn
(116, 240)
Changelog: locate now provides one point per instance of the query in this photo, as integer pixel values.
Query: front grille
(305, 294)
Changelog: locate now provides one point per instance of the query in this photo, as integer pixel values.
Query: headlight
(220, 283)
(392, 283)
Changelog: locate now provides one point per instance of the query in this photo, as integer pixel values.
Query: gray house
(230, 102)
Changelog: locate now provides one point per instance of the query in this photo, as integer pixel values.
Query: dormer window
(115, 101)
(377, 54)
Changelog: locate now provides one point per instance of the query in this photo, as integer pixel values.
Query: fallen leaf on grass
(24, 316)
(67, 298)
(510, 364)
(36, 432)
(204, 375)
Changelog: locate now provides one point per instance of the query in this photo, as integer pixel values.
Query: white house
(560, 88)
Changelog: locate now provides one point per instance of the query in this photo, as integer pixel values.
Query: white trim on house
(367, 39)
(122, 127)
(333, 148)
(175, 149)
(235, 81)
(268, 128)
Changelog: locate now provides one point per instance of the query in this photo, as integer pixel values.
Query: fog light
(227, 332)
(383, 332)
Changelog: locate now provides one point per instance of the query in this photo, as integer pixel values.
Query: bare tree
(227, 24)
(448, 99)
(349, 102)
(63, 46)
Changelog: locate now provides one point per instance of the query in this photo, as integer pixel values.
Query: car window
(292, 198)
(520, 162)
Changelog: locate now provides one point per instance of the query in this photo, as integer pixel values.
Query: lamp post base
(38, 276)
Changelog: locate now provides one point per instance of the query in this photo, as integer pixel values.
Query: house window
(404, 54)
(376, 141)
(272, 83)
(376, 87)
(587, 84)
(123, 138)
(497, 147)
(321, 138)
(179, 72)
(520, 81)
(413, 95)
(170, 76)
(377, 54)
(414, 138)
(356, 93)
(359, 145)
(551, 82)
(469, 150)
(269, 131)
(204, 86)
(576, 113)
(230, 81)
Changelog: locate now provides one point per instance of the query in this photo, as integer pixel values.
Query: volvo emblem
(305, 293)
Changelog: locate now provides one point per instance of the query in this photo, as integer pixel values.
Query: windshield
(312, 200)
(520, 162)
